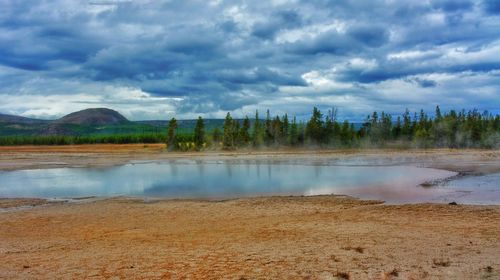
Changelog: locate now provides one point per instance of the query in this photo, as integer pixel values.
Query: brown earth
(321, 237)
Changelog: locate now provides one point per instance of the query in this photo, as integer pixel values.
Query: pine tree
(171, 134)
(329, 130)
(396, 131)
(216, 136)
(345, 136)
(276, 130)
(228, 138)
(285, 129)
(294, 133)
(257, 131)
(314, 127)
(237, 141)
(406, 130)
(199, 134)
(438, 116)
(244, 132)
(268, 137)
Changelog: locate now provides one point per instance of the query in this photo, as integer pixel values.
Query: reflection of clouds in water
(223, 178)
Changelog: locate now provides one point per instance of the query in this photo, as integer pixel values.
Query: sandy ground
(321, 237)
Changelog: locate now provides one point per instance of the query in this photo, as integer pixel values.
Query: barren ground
(321, 237)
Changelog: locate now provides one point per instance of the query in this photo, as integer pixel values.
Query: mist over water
(227, 179)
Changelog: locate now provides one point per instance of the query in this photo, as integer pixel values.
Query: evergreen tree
(285, 129)
(314, 127)
(199, 134)
(268, 136)
(345, 134)
(244, 132)
(257, 131)
(236, 133)
(396, 132)
(406, 130)
(171, 134)
(228, 138)
(329, 130)
(216, 136)
(276, 130)
(386, 126)
(294, 133)
(438, 116)
(352, 135)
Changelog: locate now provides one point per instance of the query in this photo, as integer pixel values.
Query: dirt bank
(276, 237)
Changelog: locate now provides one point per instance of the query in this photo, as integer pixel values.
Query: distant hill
(84, 121)
(19, 120)
(93, 116)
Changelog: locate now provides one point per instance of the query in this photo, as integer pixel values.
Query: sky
(151, 59)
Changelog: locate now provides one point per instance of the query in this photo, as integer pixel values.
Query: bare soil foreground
(320, 237)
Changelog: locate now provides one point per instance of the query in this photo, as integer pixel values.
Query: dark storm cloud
(276, 22)
(492, 6)
(369, 35)
(453, 5)
(258, 76)
(422, 82)
(222, 55)
(356, 39)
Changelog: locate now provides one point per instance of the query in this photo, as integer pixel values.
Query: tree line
(143, 138)
(452, 129)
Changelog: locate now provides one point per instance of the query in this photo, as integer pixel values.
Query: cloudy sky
(154, 59)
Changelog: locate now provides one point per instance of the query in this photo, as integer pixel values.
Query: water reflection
(201, 179)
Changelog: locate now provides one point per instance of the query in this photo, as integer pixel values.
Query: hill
(12, 119)
(95, 121)
(93, 116)
(86, 121)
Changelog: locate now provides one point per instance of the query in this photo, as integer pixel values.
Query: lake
(227, 179)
